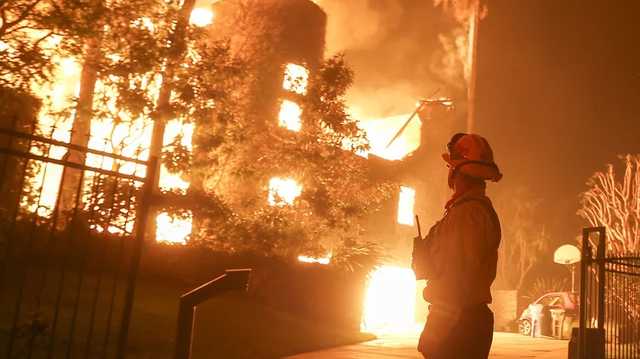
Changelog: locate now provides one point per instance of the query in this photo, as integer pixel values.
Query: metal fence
(69, 249)
(609, 300)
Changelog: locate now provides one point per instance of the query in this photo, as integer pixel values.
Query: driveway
(505, 345)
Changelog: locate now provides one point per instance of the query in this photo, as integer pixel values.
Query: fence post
(584, 263)
(600, 260)
(141, 225)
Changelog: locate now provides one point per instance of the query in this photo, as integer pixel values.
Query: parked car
(568, 301)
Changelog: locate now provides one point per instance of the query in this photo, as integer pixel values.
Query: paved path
(505, 346)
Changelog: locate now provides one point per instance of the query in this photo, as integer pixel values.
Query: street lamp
(568, 255)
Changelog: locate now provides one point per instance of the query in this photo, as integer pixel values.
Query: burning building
(285, 41)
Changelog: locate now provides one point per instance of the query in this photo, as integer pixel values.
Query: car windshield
(551, 300)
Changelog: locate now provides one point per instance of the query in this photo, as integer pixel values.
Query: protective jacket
(458, 258)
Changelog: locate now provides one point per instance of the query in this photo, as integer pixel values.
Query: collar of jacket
(476, 194)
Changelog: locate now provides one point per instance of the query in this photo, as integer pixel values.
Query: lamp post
(568, 255)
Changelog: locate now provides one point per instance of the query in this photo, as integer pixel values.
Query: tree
(336, 190)
(109, 46)
(523, 239)
(614, 203)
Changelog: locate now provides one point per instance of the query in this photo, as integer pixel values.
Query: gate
(609, 300)
(69, 250)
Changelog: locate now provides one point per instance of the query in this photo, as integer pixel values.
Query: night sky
(559, 95)
(558, 85)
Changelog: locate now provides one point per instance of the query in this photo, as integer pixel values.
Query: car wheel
(524, 327)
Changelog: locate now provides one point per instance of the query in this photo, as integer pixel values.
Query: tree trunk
(163, 112)
(81, 129)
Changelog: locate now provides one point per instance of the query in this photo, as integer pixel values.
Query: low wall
(505, 309)
(311, 291)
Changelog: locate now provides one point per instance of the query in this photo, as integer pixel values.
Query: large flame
(124, 138)
(381, 130)
(390, 301)
(283, 191)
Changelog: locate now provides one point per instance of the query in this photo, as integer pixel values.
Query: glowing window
(283, 191)
(289, 116)
(320, 260)
(201, 17)
(172, 230)
(406, 203)
(296, 79)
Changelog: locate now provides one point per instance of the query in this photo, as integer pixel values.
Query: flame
(129, 138)
(173, 230)
(390, 301)
(47, 180)
(320, 260)
(380, 131)
(406, 203)
(296, 79)
(283, 191)
(289, 116)
(201, 17)
(174, 181)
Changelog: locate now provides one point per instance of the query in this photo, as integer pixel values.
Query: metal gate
(68, 258)
(609, 300)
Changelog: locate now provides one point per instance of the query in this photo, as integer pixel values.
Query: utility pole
(472, 54)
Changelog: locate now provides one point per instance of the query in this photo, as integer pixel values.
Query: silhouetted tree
(614, 203)
(524, 240)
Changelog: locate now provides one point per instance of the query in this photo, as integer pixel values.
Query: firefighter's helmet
(471, 154)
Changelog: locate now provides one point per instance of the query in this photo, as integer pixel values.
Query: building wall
(272, 33)
(425, 172)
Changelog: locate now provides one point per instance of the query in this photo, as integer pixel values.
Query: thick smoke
(401, 51)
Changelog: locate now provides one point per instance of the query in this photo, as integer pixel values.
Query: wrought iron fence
(609, 300)
(69, 249)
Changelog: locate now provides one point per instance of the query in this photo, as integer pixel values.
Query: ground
(505, 346)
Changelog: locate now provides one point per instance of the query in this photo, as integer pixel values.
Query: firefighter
(458, 257)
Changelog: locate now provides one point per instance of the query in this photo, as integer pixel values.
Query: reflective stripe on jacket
(458, 258)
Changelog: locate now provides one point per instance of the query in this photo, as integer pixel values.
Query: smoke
(400, 50)
(355, 24)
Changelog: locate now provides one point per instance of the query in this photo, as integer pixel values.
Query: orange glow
(201, 17)
(289, 116)
(406, 204)
(171, 181)
(296, 79)
(173, 230)
(129, 138)
(60, 93)
(283, 191)
(321, 260)
(390, 301)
